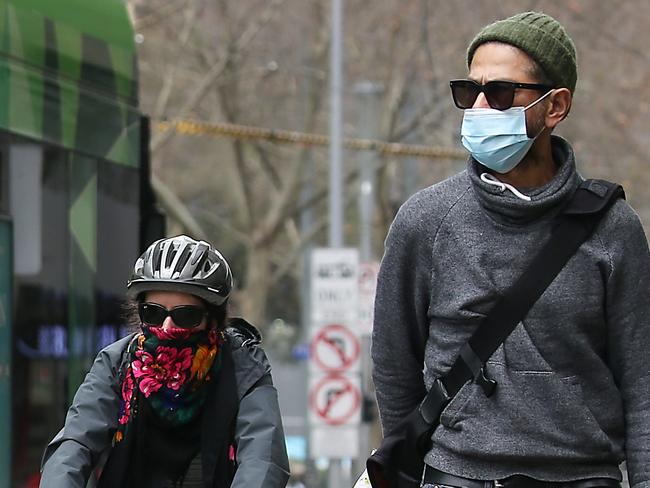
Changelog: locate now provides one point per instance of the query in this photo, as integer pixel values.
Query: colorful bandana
(170, 368)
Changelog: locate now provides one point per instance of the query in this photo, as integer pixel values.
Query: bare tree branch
(159, 14)
(267, 167)
(290, 259)
(218, 68)
(170, 71)
(224, 224)
(175, 208)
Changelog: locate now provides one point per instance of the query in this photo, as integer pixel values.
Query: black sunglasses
(184, 316)
(499, 94)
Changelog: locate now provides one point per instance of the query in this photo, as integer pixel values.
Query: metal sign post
(336, 127)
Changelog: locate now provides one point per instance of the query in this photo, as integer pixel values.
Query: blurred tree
(265, 63)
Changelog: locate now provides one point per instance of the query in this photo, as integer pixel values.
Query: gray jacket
(573, 394)
(92, 420)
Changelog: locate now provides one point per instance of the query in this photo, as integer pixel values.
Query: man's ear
(559, 107)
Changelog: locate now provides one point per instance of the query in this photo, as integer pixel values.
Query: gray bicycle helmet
(185, 265)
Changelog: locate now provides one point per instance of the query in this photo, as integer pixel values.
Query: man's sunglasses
(499, 94)
(184, 316)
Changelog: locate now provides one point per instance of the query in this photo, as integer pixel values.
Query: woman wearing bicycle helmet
(187, 401)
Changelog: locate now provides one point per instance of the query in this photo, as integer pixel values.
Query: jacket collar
(546, 201)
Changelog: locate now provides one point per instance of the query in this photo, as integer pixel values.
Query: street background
(286, 132)
(263, 196)
(265, 64)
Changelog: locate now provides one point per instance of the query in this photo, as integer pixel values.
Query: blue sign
(296, 447)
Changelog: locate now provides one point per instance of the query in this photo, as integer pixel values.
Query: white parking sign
(334, 284)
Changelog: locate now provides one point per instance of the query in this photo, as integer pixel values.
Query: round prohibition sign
(335, 348)
(335, 399)
(368, 278)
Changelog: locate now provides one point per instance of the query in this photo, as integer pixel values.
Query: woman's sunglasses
(184, 316)
(499, 94)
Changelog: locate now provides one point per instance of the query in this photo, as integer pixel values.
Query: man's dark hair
(539, 74)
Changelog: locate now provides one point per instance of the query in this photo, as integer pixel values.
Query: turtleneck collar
(546, 200)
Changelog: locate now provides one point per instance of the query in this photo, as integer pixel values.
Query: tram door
(68, 238)
(35, 272)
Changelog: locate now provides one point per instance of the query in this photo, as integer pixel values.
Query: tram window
(4, 175)
(25, 173)
(3, 181)
(117, 215)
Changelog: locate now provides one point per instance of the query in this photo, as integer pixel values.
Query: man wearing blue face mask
(573, 395)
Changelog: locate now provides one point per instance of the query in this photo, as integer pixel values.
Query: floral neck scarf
(170, 369)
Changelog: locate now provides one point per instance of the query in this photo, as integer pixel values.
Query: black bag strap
(573, 226)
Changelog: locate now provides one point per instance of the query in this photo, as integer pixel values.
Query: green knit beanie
(541, 37)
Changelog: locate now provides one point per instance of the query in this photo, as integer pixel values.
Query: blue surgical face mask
(497, 138)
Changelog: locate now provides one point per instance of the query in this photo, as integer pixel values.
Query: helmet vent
(184, 265)
(170, 257)
(157, 259)
(183, 259)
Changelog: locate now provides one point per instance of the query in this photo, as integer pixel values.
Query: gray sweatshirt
(573, 394)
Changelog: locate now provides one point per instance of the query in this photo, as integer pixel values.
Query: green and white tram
(76, 207)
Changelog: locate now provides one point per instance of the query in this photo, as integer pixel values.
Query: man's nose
(481, 101)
